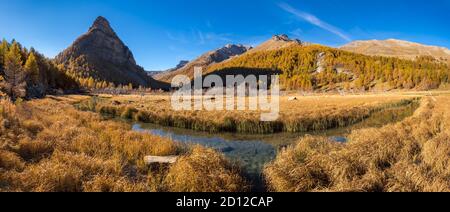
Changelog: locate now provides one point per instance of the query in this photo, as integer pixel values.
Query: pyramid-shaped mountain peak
(102, 55)
(102, 24)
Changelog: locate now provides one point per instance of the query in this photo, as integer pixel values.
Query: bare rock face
(282, 37)
(285, 38)
(226, 52)
(216, 56)
(102, 55)
(102, 42)
(181, 64)
(278, 42)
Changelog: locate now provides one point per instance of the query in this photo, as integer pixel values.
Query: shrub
(128, 113)
(108, 183)
(50, 176)
(34, 150)
(10, 161)
(204, 170)
(32, 126)
(303, 167)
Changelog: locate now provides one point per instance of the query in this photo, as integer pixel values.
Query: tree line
(317, 67)
(25, 73)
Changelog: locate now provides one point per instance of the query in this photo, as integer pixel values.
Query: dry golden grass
(307, 114)
(411, 156)
(47, 145)
(184, 177)
(11, 161)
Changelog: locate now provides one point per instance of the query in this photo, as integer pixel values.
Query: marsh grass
(295, 118)
(223, 175)
(49, 146)
(411, 156)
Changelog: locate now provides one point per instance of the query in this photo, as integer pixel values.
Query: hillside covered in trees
(28, 74)
(318, 67)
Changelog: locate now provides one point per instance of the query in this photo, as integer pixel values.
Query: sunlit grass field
(48, 145)
(51, 145)
(307, 113)
(411, 156)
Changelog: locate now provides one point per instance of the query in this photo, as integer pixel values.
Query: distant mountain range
(226, 53)
(315, 67)
(101, 55)
(156, 74)
(397, 48)
(216, 56)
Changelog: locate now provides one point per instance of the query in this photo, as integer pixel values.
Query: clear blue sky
(160, 33)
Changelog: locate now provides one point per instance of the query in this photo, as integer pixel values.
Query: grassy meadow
(49, 146)
(64, 143)
(410, 156)
(308, 113)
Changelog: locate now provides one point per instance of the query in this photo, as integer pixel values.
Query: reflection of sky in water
(251, 154)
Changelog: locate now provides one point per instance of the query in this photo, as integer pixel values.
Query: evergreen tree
(14, 84)
(32, 69)
(91, 83)
(3, 51)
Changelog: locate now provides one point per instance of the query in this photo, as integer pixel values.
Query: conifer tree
(3, 51)
(32, 69)
(14, 84)
(91, 83)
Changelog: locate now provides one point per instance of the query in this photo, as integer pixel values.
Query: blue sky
(160, 33)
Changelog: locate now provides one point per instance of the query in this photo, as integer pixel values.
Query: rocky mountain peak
(277, 42)
(100, 43)
(103, 25)
(212, 57)
(225, 53)
(101, 54)
(182, 63)
(282, 37)
(233, 49)
(285, 38)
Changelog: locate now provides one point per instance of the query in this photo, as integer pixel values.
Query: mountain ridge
(277, 42)
(212, 57)
(317, 67)
(397, 48)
